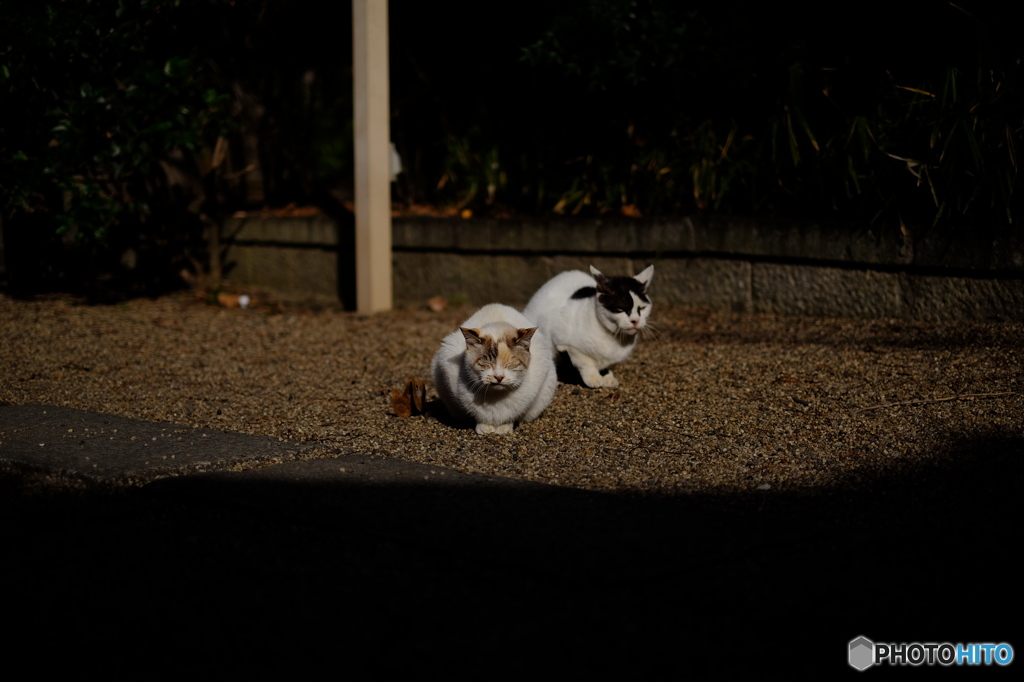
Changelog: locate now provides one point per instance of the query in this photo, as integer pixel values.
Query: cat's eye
(641, 309)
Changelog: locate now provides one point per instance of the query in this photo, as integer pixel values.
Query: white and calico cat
(497, 369)
(594, 318)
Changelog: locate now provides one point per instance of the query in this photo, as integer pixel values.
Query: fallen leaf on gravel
(401, 404)
(411, 399)
(418, 389)
(233, 300)
(227, 300)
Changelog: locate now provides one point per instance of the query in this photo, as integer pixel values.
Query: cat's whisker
(623, 335)
(649, 330)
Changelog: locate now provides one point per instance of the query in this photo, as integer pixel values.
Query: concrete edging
(785, 267)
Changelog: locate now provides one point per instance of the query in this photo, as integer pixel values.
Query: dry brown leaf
(437, 304)
(418, 391)
(227, 300)
(234, 300)
(400, 403)
(411, 399)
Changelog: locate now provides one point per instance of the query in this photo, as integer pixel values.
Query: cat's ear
(472, 337)
(645, 275)
(602, 281)
(524, 337)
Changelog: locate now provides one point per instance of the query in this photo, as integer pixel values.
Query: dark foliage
(655, 107)
(129, 127)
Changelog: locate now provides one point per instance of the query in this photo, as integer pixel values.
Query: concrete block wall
(300, 258)
(740, 265)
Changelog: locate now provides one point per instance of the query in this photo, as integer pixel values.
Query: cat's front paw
(598, 380)
(499, 429)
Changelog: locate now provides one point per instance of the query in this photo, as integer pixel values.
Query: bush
(107, 107)
(660, 107)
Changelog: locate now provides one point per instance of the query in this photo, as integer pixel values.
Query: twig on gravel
(928, 401)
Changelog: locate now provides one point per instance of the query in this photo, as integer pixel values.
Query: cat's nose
(498, 378)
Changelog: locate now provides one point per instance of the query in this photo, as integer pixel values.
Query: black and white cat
(594, 318)
(497, 369)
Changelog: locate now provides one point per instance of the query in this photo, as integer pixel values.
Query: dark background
(865, 112)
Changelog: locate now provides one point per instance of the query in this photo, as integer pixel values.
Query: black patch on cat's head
(585, 292)
(613, 292)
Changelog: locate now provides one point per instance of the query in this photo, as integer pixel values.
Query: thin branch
(928, 401)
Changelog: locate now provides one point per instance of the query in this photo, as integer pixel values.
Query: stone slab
(479, 279)
(317, 230)
(824, 291)
(719, 283)
(301, 273)
(108, 448)
(961, 298)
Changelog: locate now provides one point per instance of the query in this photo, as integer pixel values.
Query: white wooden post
(371, 84)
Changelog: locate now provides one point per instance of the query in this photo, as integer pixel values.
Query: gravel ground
(813, 479)
(709, 401)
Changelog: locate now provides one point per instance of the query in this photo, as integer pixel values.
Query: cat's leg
(498, 429)
(589, 371)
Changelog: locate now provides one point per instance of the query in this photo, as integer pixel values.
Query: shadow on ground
(262, 574)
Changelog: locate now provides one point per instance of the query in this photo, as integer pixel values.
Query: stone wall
(741, 265)
(299, 258)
